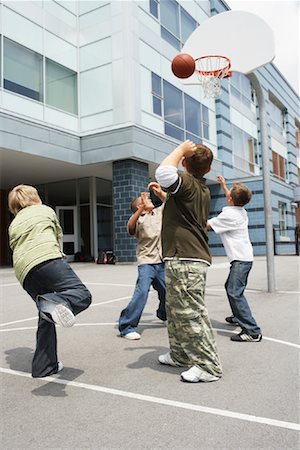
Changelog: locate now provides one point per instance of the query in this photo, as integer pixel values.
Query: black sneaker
(232, 320)
(244, 336)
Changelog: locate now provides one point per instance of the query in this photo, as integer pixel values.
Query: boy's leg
(159, 284)
(130, 316)
(60, 285)
(45, 357)
(235, 287)
(190, 333)
(44, 361)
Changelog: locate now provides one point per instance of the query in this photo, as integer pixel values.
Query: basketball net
(211, 70)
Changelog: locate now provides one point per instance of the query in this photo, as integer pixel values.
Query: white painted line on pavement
(18, 321)
(110, 301)
(290, 344)
(9, 284)
(164, 402)
(107, 284)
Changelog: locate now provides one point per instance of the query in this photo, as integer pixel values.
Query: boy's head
(199, 164)
(21, 196)
(142, 200)
(240, 194)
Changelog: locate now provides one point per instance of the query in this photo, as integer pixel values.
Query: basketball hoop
(211, 70)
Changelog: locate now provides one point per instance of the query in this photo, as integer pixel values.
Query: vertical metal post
(266, 181)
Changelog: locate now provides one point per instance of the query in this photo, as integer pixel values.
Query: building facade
(89, 107)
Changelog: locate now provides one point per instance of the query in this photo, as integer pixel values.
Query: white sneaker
(59, 313)
(132, 336)
(194, 375)
(60, 367)
(166, 359)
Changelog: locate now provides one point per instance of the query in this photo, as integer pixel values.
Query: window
(185, 117)
(282, 212)
(176, 24)
(241, 88)
(156, 94)
(154, 8)
(23, 73)
(61, 87)
(23, 70)
(245, 151)
(279, 166)
(277, 118)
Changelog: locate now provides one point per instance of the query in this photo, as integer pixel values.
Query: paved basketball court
(113, 394)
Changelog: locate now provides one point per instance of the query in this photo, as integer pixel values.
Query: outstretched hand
(221, 180)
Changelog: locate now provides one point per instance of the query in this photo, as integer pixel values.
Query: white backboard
(243, 37)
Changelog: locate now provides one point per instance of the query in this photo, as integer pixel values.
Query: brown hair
(240, 194)
(21, 196)
(134, 204)
(199, 164)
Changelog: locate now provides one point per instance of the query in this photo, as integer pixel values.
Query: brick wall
(130, 178)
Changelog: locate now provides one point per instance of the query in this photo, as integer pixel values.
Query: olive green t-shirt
(34, 237)
(184, 232)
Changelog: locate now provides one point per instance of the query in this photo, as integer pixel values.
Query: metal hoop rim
(216, 72)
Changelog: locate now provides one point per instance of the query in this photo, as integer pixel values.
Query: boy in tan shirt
(145, 225)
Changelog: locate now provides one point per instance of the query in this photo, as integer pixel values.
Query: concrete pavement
(113, 393)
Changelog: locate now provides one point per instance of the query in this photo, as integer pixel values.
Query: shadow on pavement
(20, 359)
(150, 360)
(56, 389)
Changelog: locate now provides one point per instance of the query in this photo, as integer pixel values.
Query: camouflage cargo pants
(191, 338)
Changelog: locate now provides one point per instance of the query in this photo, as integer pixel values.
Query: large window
(184, 117)
(277, 118)
(241, 88)
(176, 24)
(23, 74)
(279, 166)
(245, 151)
(61, 87)
(282, 212)
(23, 70)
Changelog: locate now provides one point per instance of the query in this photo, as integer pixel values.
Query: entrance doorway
(67, 216)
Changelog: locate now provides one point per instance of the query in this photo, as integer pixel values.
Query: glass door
(67, 216)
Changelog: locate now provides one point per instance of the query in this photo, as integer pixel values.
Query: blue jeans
(53, 280)
(148, 274)
(235, 286)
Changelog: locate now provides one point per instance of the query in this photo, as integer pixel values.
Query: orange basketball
(183, 65)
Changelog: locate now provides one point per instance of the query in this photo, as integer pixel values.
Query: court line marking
(164, 402)
(92, 305)
(252, 291)
(278, 341)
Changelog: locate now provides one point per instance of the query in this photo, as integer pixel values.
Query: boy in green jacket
(35, 239)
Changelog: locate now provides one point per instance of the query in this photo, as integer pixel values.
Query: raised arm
(222, 182)
(156, 188)
(166, 174)
(142, 207)
(187, 148)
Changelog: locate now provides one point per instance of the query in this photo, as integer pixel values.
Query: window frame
(166, 33)
(172, 129)
(282, 219)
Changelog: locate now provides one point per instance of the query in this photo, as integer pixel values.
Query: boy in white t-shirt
(232, 226)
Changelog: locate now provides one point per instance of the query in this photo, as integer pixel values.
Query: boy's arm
(156, 188)
(131, 224)
(222, 182)
(166, 174)
(187, 148)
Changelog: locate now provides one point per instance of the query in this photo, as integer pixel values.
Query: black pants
(53, 280)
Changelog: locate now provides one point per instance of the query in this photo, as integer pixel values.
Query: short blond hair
(21, 196)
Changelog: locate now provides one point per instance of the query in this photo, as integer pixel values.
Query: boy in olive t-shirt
(187, 258)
